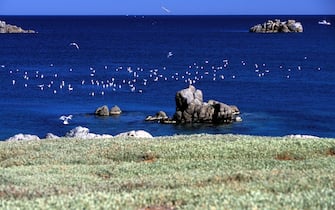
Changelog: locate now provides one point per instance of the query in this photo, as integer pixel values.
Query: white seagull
(74, 44)
(66, 119)
(170, 54)
(165, 9)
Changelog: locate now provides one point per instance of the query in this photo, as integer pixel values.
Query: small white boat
(324, 22)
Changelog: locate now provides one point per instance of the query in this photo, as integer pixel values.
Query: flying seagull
(170, 54)
(165, 9)
(66, 119)
(74, 44)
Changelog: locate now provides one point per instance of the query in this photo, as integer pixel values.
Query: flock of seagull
(99, 81)
(113, 78)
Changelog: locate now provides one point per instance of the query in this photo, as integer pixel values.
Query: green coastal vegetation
(176, 172)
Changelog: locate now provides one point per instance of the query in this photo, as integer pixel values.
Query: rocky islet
(8, 28)
(278, 26)
(191, 108)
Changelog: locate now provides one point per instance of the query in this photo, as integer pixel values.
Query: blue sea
(282, 83)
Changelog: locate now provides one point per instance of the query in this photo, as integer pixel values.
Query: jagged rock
(160, 116)
(7, 28)
(299, 136)
(277, 26)
(284, 28)
(84, 133)
(23, 137)
(115, 110)
(135, 134)
(235, 110)
(190, 108)
(51, 136)
(294, 26)
(102, 111)
(77, 132)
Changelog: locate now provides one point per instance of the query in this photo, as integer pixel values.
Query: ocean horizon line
(177, 15)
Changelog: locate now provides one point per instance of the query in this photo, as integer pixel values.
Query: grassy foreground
(179, 172)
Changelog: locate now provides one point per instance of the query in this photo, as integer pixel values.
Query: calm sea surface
(282, 83)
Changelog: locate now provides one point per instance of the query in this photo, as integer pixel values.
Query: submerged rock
(159, 116)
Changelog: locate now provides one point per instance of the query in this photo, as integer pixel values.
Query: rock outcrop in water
(159, 116)
(115, 110)
(277, 26)
(104, 111)
(190, 108)
(7, 28)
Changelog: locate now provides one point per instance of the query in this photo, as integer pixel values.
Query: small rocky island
(8, 28)
(190, 108)
(278, 26)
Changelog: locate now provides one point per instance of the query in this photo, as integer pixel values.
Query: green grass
(179, 172)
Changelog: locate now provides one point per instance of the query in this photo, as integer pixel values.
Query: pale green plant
(178, 172)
